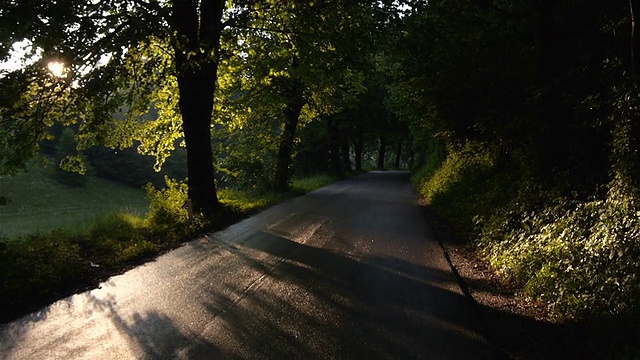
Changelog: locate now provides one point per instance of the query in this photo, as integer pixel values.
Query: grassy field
(38, 203)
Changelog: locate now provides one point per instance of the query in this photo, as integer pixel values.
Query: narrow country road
(351, 271)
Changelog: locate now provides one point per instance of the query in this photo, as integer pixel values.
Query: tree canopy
(145, 56)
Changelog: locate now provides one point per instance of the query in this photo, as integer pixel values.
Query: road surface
(351, 271)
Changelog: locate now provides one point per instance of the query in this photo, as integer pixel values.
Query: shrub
(462, 185)
(580, 257)
(38, 265)
(168, 206)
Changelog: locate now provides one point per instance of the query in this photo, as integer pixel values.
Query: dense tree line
(229, 81)
(525, 114)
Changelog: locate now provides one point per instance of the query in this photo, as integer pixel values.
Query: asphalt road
(351, 271)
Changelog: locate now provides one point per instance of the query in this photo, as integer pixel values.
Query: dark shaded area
(523, 330)
(129, 167)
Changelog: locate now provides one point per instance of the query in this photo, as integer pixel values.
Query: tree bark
(398, 153)
(382, 152)
(357, 149)
(285, 147)
(196, 57)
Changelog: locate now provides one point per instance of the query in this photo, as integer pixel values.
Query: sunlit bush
(462, 184)
(168, 206)
(458, 164)
(580, 257)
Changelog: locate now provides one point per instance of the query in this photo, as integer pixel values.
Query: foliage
(247, 156)
(458, 164)
(71, 166)
(462, 182)
(168, 207)
(145, 74)
(312, 70)
(580, 257)
(541, 141)
(126, 56)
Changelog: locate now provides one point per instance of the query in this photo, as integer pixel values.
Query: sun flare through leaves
(57, 69)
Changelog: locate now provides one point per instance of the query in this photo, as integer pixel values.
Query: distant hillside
(35, 202)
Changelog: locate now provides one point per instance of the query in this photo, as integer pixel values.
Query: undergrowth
(579, 256)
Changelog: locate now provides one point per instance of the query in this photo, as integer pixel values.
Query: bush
(580, 257)
(577, 254)
(462, 185)
(169, 215)
(38, 265)
(168, 206)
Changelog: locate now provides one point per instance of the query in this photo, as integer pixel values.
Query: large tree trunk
(358, 145)
(196, 58)
(398, 154)
(334, 146)
(285, 148)
(382, 152)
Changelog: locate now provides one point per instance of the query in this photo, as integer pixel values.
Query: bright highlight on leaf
(57, 68)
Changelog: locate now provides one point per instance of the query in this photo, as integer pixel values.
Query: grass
(38, 203)
(248, 202)
(307, 184)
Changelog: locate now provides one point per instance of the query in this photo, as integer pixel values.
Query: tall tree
(113, 54)
(311, 68)
(197, 51)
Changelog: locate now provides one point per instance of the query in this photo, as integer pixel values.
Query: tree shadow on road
(141, 335)
(324, 304)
